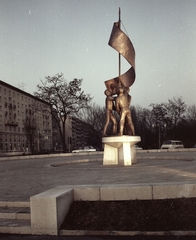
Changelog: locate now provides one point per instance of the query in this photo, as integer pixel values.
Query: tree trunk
(63, 138)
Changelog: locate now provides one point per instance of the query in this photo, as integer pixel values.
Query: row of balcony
(10, 105)
(6, 113)
(11, 123)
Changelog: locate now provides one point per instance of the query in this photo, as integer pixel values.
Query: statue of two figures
(119, 100)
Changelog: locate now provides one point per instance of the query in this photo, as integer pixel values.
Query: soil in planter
(138, 215)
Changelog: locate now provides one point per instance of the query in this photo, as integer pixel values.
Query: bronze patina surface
(117, 92)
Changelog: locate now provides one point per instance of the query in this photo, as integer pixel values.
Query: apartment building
(22, 127)
(81, 134)
(77, 134)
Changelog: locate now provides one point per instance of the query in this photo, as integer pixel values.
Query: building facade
(22, 127)
(79, 134)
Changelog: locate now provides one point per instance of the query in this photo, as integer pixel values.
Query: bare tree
(175, 110)
(144, 126)
(191, 114)
(158, 113)
(95, 117)
(190, 127)
(65, 99)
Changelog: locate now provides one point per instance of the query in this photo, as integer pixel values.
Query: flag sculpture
(117, 89)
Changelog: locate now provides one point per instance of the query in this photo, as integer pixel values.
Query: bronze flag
(122, 44)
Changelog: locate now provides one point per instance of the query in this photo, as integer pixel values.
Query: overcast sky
(45, 37)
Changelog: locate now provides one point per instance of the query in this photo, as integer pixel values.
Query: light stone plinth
(120, 150)
(48, 210)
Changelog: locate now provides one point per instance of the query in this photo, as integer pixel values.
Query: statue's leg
(130, 122)
(106, 124)
(122, 122)
(114, 124)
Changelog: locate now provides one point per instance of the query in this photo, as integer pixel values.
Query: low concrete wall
(126, 192)
(26, 157)
(49, 209)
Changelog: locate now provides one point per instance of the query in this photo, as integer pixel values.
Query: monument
(119, 146)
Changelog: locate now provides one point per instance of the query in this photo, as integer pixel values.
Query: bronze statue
(123, 109)
(121, 84)
(109, 112)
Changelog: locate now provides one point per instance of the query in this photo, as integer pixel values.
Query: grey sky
(44, 37)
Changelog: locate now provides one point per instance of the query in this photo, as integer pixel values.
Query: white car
(85, 149)
(138, 148)
(172, 144)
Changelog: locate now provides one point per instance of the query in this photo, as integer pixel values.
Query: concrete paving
(23, 177)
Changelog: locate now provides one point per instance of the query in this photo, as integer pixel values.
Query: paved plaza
(26, 176)
(23, 177)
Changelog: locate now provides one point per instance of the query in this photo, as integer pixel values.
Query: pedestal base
(120, 150)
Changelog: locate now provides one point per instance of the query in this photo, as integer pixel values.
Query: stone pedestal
(120, 150)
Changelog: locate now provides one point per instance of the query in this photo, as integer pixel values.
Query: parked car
(172, 144)
(138, 148)
(85, 149)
